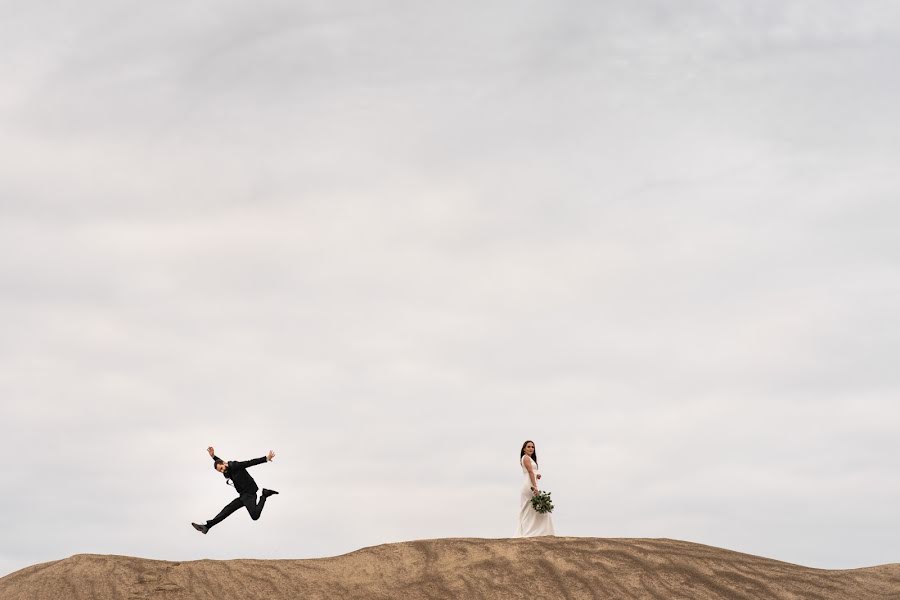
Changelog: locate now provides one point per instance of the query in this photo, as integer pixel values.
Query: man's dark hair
(218, 462)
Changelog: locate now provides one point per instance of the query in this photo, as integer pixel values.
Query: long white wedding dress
(531, 522)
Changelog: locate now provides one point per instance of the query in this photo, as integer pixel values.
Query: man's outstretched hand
(211, 450)
(270, 456)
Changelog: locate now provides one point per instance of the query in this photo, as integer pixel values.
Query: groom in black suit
(236, 473)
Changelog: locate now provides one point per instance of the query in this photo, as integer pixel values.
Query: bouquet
(542, 502)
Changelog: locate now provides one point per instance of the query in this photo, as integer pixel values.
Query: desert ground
(501, 569)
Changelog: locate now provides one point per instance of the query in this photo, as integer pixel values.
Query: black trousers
(248, 500)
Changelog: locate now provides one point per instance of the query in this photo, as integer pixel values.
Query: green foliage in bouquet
(542, 503)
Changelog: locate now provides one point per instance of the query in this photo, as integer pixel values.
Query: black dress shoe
(266, 493)
(201, 528)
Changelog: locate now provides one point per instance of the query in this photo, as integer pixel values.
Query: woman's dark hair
(522, 452)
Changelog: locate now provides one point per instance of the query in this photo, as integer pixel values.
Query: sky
(392, 241)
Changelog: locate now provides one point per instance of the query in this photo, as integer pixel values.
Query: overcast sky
(392, 241)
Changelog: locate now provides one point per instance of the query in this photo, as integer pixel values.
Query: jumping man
(236, 471)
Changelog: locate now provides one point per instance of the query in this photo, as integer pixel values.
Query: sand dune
(546, 568)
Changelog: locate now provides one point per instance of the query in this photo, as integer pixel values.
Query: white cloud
(393, 245)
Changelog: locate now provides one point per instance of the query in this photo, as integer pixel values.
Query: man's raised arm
(256, 461)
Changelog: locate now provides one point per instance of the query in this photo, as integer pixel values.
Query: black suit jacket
(237, 473)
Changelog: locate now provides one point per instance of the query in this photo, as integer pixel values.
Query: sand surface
(545, 568)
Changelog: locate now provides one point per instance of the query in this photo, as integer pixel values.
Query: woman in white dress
(531, 522)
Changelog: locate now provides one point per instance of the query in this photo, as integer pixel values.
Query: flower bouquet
(542, 503)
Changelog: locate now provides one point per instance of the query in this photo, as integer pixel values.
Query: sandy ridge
(549, 568)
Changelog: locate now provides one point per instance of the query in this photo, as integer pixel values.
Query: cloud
(394, 245)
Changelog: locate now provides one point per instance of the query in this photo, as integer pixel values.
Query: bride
(531, 522)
